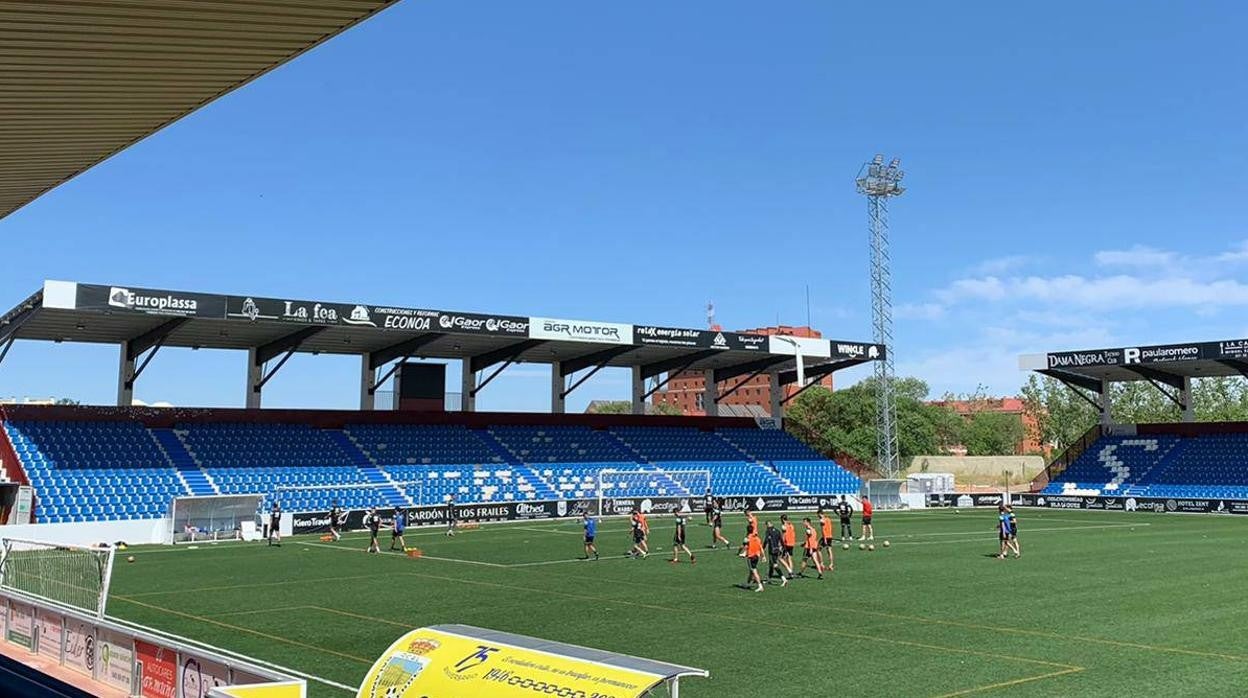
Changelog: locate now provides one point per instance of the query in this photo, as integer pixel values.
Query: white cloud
(1120, 291)
(1138, 256)
(919, 311)
(1236, 255)
(1000, 265)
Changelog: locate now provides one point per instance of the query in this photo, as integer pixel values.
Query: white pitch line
(1031, 530)
(395, 552)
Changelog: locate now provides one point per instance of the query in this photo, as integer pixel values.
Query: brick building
(685, 390)
(1004, 405)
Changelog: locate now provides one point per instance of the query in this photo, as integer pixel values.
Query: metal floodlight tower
(878, 182)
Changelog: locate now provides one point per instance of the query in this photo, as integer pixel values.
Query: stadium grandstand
(1183, 460)
(126, 463)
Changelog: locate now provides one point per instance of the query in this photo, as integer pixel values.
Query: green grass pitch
(1101, 604)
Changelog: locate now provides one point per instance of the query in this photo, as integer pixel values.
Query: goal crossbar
(72, 576)
(685, 483)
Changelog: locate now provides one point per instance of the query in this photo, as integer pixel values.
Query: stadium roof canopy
(81, 80)
(142, 320)
(1166, 366)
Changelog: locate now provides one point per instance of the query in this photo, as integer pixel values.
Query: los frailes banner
(430, 662)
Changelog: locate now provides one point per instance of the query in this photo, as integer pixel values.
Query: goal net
(214, 518)
(69, 575)
(622, 491)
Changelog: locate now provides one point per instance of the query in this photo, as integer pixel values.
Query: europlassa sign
(429, 663)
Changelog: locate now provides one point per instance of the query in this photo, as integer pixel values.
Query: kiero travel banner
(430, 663)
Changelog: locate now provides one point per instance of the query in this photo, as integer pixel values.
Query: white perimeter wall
(91, 532)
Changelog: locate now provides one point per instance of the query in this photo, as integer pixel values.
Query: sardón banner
(433, 664)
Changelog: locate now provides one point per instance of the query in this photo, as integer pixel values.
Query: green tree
(844, 421)
(992, 434)
(626, 407)
(1220, 399)
(1058, 416)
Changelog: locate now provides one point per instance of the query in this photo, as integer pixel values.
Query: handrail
(1066, 457)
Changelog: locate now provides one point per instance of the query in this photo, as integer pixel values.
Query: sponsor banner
(318, 521)
(653, 335)
(197, 676)
(430, 662)
(810, 347)
(473, 323)
(255, 309)
(116, 661)
(1160, 505)
(149, 301)
(80, 646)
(843, 351)
(580, 331)
(50, 633)
(157, 670)
(969, 499)
(21, 629)
(1079, 359)
(1162, 353)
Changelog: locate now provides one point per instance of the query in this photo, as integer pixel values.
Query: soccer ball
(886, 544)
(862, 546)
(130, 559)
(844, 546)
(871, 547)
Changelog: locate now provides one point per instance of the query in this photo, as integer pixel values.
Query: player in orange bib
(827, 543)
(789, 536)
(753, 552)
(810, 550)
(645, 533)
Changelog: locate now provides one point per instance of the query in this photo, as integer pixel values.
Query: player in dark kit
(717, 528)
(372, 521)
(709, 503)
(335, 521)
(775, 555)
(845, 512)
(275, 522)
(639, 537)
(678, 540)
(451, 524)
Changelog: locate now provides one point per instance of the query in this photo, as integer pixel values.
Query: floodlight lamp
(878, 159)
(895, 163)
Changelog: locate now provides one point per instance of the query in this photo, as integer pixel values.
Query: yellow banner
(434, 664)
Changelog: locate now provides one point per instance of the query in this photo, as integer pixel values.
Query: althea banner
(434, 664)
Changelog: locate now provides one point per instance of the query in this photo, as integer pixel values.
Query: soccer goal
(214, 518)
(618, 491)
(76, 576)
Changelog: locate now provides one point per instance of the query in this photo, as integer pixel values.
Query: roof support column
(468, 387)
(710, 394)
(368, 398)
(1185, 395)
(639, 391)
(255, 379)
(558, 402)
(776, 393)
(1107, 404)
(125, 377)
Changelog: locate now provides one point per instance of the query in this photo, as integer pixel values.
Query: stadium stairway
(497, 447)
(391, 494)
(197, 482)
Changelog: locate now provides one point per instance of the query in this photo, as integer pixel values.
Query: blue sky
(1075, 173)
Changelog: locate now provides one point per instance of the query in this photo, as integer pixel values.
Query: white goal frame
(244, 531)
(7, 555)
(694, 497)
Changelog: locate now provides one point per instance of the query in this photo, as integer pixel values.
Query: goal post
(214, 518)
(75, 576)
(615, 484)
